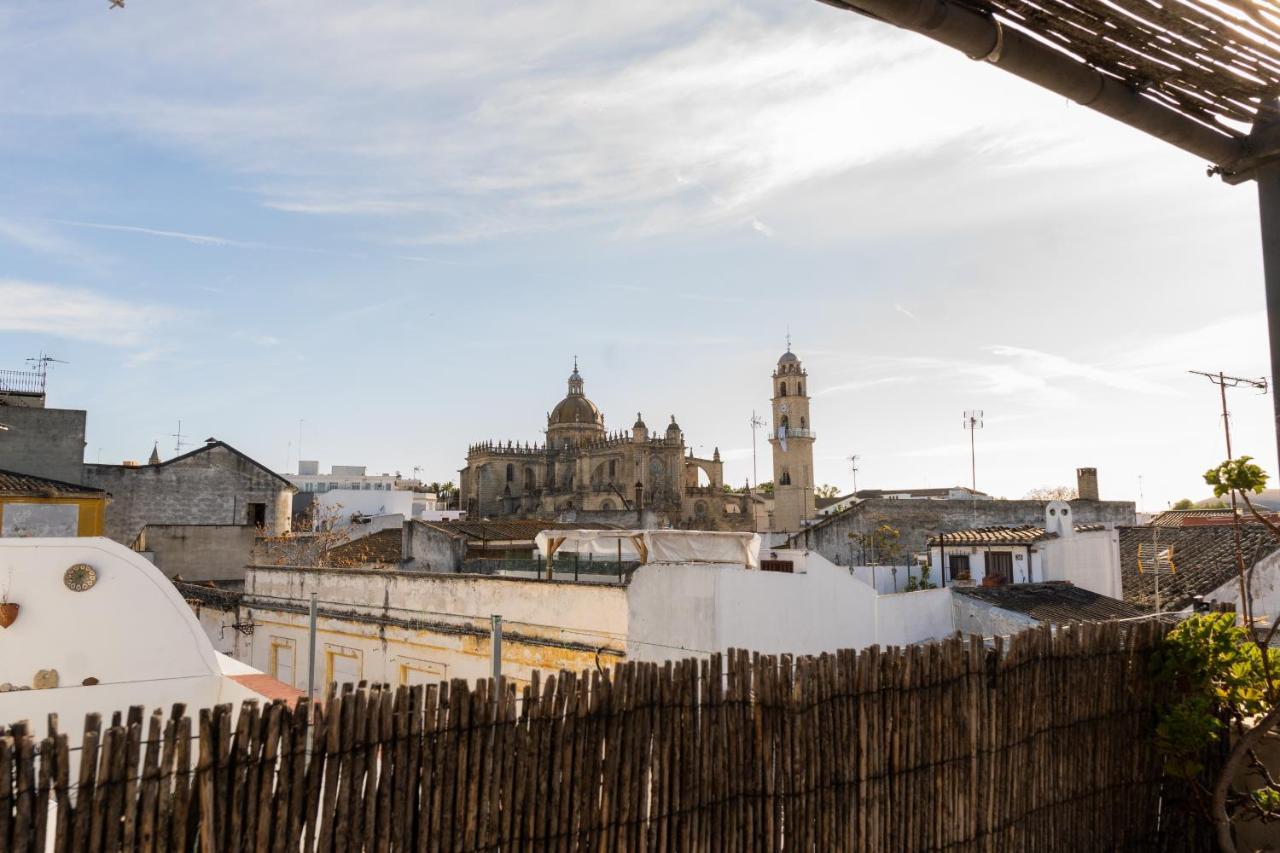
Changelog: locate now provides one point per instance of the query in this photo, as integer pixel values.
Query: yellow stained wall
(92, 510)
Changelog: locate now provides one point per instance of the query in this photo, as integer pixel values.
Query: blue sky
(399, 221)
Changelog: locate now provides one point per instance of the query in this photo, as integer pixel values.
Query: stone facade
(583, 466)
(918, 521)
(213, 485)
(42, 442)
(792, 439)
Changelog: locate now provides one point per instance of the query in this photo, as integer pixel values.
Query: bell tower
(792, 439)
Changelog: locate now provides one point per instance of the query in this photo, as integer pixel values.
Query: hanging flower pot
(8, 613)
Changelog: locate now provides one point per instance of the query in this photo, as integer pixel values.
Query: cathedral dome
(788, 357)
(575, 409)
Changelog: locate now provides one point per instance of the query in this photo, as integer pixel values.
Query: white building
(99, 629)
(352, 477)
(1085, 555)
(687, 598)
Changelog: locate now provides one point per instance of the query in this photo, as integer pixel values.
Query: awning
(656, 546)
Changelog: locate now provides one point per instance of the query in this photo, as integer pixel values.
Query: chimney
(1087, 484)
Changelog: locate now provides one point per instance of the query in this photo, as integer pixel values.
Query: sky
(383, 230)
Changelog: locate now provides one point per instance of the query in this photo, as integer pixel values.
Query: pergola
(1203, 75)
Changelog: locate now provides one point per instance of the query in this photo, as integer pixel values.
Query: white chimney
(1057, 518)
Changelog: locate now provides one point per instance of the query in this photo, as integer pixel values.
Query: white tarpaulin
(656, 546)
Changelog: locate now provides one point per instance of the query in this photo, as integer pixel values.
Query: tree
(1052, 493)
(826, 490)
(1185, 503)
(765, 488)
(1225, 678)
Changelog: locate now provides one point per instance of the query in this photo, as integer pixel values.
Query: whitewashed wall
(131, 631)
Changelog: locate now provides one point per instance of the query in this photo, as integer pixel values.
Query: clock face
(80, 577)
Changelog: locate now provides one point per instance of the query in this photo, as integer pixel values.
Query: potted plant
(8, 609)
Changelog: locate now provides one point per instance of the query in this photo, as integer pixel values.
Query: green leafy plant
(1218, 677)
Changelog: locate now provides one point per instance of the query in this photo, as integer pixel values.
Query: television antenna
(1156, 561)
(40, 364)
(973, 423)
(853, 469)
(756, 422)
(1223, 381)
(179, 441)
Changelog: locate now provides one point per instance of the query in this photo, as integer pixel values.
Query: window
(802, 423)
(782, 389)
(258, 514)
(613, 469)
(785, 479)
(799, 389)
(958, 565)
(280, 663)
(342, 665)
(414, 671)
(786, 422)
(784, 566)
(511, 472)
(1000, 564)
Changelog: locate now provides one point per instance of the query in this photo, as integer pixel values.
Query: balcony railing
(792, 432)
(21, 382)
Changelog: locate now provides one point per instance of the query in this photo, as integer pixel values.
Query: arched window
(802, 423)
(606, 505)
(799, 389)
(511, 472)
(785, 479)
(786, 422)
(782, 389)
(613, 469)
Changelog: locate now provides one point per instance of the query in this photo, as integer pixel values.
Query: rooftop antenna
(178, 437)
(853, 469)
(756, 422)
(973, 423)
(1223, 381)
(41, 364)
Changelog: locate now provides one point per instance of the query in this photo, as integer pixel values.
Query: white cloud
(904, 312)
(488, 119)
(73, 313)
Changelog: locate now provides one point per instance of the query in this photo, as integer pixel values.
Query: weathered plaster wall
(1264, 588)
(977, 617)
(820, 608)
(213, 487)
(1090, 560)
(917, 520)
(43, 442)
(426, 549)
(200, 552)
(401, 627)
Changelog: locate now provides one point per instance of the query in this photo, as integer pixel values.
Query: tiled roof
(511, 530)
(1204, 558)
(923, 493)
(1026, 534)
(1200, 517)
(13, 483)
(205, 448)
(1055, 602)
(381, 547)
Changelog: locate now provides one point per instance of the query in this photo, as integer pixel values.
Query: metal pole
(496, 632)
(311, 652)
(1268, 177)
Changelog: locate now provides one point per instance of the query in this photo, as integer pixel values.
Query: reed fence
(1039, 742)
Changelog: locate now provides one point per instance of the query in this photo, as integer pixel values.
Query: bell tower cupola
(791, 437)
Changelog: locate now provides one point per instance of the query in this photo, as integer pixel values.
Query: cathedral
(582, 466)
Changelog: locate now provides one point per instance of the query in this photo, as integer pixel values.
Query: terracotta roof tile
(1026, 534)
(382, 547)
(511, 530)
(1054, 602)
(1204, 558)
(13, 483)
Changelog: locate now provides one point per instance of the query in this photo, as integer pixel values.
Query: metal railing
(21, 382)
